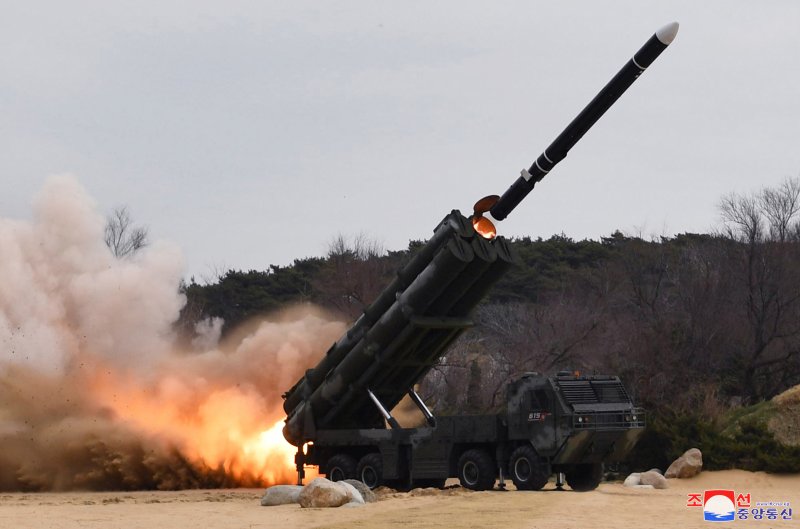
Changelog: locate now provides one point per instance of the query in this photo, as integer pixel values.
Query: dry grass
(785, 424)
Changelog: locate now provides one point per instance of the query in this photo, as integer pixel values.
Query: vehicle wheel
(528, 471)
(341, 467)
(585, 477)
(476, 470)
(370, 470)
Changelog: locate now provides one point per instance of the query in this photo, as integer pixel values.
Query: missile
(500, 207)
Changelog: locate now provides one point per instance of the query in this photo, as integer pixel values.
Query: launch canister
(558, 150)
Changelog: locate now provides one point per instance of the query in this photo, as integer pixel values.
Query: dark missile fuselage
(579, 126)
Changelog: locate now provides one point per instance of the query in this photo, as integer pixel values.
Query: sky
(252, 133)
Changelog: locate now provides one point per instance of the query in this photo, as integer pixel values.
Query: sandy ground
(611, 505)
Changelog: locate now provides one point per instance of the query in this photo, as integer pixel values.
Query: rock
(650, 487)
(633, 480)
(653, 478)
(321, 492)
(656, 470)
(365, 491)
(281, 495)
(686, 466)
(355, 496)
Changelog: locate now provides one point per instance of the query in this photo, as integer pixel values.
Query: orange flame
(216, 429)
(484, 227)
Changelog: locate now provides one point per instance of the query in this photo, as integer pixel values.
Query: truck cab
(569, 424)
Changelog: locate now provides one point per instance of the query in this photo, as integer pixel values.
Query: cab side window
(531, 402)
(543, 399)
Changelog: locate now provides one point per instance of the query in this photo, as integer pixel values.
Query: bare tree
(215, 273)
(511, 339)
(362, 247)
(670, 320)
(780, 207)
(765, 226)
(742, 218)
(356, 273)
(121, 236)
(768, 215)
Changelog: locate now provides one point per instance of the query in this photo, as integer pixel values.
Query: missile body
(558, 150)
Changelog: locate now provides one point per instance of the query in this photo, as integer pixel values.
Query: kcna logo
(723, 505)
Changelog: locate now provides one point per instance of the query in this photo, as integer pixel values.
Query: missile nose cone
(667, 34)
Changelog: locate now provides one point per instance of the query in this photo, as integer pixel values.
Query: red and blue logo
(723, 505)
(719, 506)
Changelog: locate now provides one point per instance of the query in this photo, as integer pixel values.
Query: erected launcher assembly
(566, 424)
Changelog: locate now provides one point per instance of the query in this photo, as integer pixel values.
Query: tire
(585, 477)
(370, 470)
(476, 470)
(341, 467)
(528, 471)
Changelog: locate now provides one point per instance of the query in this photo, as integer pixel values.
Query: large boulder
(281, 495)
(656, 480)
(321, 492)
(686, 466)
(367, 494)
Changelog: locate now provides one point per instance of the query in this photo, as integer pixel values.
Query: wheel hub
(522, 469)
(471, 473)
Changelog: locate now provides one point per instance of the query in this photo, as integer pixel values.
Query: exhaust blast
(94, 392)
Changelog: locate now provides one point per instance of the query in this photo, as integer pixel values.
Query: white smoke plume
(94, 392)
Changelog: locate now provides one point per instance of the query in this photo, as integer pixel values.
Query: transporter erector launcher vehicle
(565, 424)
